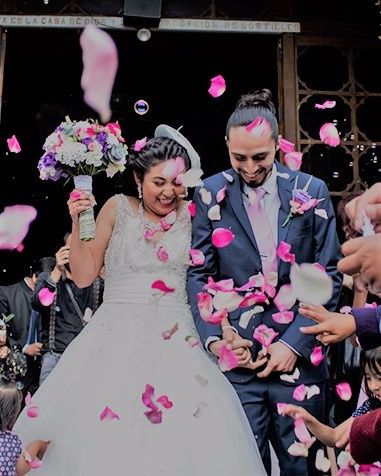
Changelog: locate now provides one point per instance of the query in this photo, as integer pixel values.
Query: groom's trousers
(259, 398)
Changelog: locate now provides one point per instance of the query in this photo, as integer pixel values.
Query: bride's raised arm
(86, 257)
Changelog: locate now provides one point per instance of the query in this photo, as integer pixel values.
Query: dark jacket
(368, 326)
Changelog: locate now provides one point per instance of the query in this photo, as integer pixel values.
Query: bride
(134, 394)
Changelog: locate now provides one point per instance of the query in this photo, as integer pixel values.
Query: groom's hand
(281, 359)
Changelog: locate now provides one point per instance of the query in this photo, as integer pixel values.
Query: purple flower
(87, 141)
(300, 196)
(48, 160)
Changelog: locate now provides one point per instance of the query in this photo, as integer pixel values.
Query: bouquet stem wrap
(86, 218)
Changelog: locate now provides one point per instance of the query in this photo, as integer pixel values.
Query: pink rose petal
(222, 237)
(221, 194)
(192, 341)
(35, 464)
(75, 195)
(284, 317)
(13, 145)
(45, 296)
(14, 225)
(227, 360)
(139, 144)
(100, 63)
(346, 310)
(250, 299)
(28, 399)
(191, 207)
(204, 304)
(32, 412)
(228, 177)
(283, 252)
(301, 432)
(299, 393)
(169, 333)
(259, 127)
(285, 298)
(293, 160)
(316, 356)
(280, 407)
(161, 286)
(298, 449)
(154, 416)
(369, 469)
(173, 167)
(217, 86)
(216, 317)
(329, 134)
(310, 283)
(107, 414)
(224, 285)
(286, 146)
(197, 257)
(372, 305)
(164, 400)
(264, 335)
(326, 105)
(162, 254)
(148, 397)
(344, 391)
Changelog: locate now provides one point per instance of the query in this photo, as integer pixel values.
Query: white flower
(71, 153)
(52, 140)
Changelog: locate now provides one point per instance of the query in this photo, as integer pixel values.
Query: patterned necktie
(262, 230)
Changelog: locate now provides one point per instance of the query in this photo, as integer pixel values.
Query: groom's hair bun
(260, 98)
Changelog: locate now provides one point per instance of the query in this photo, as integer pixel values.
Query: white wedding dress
(205, 433)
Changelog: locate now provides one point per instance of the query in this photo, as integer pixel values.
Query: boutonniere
(301, 201)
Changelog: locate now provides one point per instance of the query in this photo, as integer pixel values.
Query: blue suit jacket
(312, 239)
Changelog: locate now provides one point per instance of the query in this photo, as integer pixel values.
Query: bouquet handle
(86, 218)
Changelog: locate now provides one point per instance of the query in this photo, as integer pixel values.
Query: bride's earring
(140, 193)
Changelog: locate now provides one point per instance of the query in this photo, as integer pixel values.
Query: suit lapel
(234, 196)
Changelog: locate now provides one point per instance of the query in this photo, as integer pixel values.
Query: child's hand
(295, 411)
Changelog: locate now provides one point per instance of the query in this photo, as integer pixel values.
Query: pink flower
(344, 391)
(264, 335)
(283, 252)
(329, 134)
(13, 145)
(227, 360)
(217, 86)
(316, 356)
(286, 146)
(46, 297)
(222, 237)
(107, 414)
(139, 144)
(293, 160)
(197, 257)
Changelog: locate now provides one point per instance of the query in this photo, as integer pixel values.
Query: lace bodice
(131, 261)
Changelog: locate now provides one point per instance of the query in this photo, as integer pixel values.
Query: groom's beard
(265, 177)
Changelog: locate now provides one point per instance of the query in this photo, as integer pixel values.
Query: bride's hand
(78, 202)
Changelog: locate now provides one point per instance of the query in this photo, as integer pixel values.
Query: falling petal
(280, 407)
(214, 213)
(45, 296)
(229, 300)
(250, 299)
(13, 145)
(316, 356)
(161, 286)
(201, 410)
(28, 399)
(192, 341)
(299, 393)
(283, 252)
(173, 167)
(369, 469)
(343, 459)
(14, 225)
(107, 414)
(301, 432)
(284, 317)
(227, 360)
(293, 160)
(264, 335)
(154, 416)
(100, 63)
(223, 285)
(217, 317)
(311, 284)
(247, 315)
(221, 194)
(191, 178)
(197, 257)
(222, 237)
(201, 380)
(321, 212)
(259, 127)
(344, 391)
(162, 254)
(32, 412)
(326, 105)
(312, 390)
(75, 195)
(228, 177)
(321, 462)
(169, 333)
(217, 86)
(206, 196)
(285, 298)
(139, 144)
(290, 378)
(191, 207)
(165, 402)
(204, 304)
(329, 134)
(148, 397)
(286, 146)
(298, 449)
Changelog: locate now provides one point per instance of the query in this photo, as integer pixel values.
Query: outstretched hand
(370, 203)
(331, 327)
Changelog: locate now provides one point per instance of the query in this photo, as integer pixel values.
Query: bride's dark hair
(156, 150)
(251, 106)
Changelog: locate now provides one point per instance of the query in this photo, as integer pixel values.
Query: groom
(258, 227)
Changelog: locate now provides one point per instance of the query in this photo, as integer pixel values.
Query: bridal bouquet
(80, 150)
